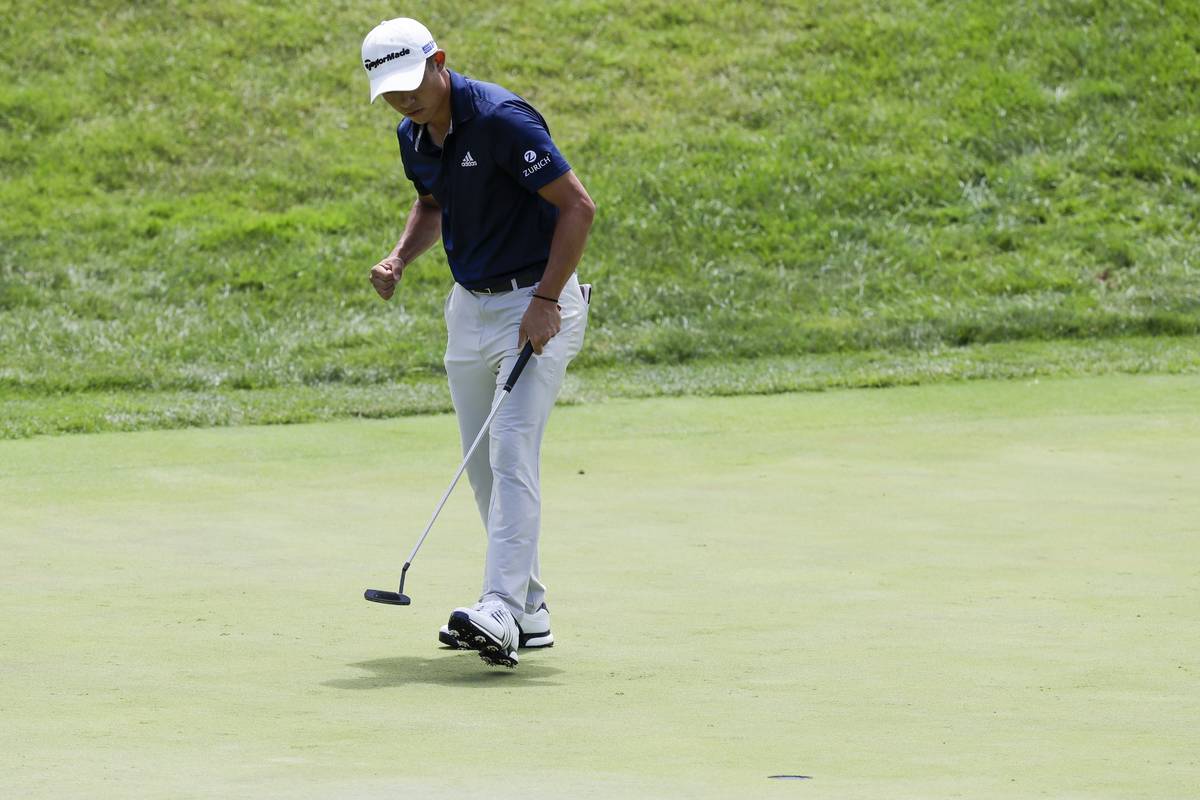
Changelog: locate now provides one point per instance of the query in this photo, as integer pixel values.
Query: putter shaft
(522, 360)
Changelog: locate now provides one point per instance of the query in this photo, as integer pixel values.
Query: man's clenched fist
(385, 275)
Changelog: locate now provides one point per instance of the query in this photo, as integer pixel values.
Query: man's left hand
(541, 322)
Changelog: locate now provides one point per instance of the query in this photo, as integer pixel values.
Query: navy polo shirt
(486, 176)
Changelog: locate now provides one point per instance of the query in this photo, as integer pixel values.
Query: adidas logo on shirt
(468, 161)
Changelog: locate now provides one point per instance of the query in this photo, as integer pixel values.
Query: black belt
(521, 280)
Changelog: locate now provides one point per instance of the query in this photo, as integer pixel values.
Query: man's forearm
(421, 230)
(566, 248)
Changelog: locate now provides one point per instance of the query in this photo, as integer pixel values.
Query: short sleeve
(421, 188)
(523, 148)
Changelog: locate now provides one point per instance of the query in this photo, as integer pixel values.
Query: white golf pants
(481, 350)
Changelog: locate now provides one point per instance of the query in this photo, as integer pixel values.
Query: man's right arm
(421, 230)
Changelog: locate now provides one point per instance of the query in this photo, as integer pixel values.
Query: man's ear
(439, 58)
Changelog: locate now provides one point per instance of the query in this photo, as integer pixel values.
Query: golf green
(966, 590)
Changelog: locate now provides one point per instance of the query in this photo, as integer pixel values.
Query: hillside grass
(192, 194)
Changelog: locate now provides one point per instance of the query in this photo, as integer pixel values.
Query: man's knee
(514, 454)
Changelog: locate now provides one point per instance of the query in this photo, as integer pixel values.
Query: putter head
(391, 598)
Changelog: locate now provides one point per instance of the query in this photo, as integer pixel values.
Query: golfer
(513, 219)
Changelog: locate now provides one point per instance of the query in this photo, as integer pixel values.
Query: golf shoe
(534, 632)
(488, 628)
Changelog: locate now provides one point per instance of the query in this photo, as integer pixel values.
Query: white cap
(394, 54)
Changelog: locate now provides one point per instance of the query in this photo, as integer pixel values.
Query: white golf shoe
(489, 628)
(535, 629)
(534, 632)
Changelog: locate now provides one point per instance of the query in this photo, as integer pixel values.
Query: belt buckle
(513, 286)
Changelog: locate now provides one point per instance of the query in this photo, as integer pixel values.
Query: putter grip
(522, 360)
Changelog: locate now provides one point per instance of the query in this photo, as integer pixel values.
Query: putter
(398, 597)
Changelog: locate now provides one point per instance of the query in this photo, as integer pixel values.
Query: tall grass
(193, 192)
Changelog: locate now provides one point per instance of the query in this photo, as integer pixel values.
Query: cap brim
(399, 80)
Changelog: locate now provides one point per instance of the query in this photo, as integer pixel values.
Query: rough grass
(192, 193)
(30, 413)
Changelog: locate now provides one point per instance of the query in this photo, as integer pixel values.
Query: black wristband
(547, 299)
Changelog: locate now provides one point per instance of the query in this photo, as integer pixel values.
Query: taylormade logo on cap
(400, 54)
(394, 53)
